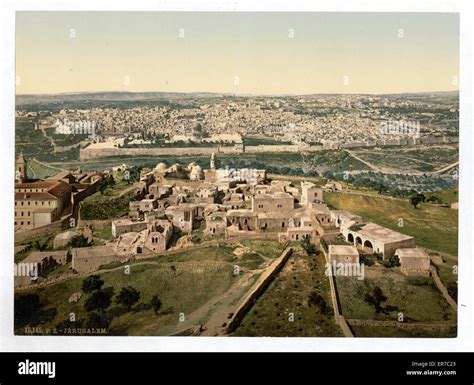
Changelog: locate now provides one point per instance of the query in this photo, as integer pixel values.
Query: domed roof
(196, 169)
(161, 166)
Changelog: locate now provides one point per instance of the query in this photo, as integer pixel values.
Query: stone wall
(403, 325)
(91, 153)
(338, 317)
(42, 231)
(265, 280)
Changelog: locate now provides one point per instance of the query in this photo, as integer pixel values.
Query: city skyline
(236, 53)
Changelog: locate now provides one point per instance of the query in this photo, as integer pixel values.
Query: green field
(102, 235)
(34, 143)
(265, 248)
(40, 171)
(288, 293)
(112, 203)
(195, 283)
(185, 282)
(111, 191)
(288, 163)
(387, 332)
(447, 196)
(422, 158)
(418, 299)
(432, 226)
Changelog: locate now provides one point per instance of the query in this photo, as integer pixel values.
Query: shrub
(391, 262)
(156, 303)
(99, 300)
(27, 307)
(128, 297)
(91, 283)
(317, 300)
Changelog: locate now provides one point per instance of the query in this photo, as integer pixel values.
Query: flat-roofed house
(122, 226)
(276, 202)
(371, 237)
(86, 259)
(414, 261)
(343, 254)
(310, 193)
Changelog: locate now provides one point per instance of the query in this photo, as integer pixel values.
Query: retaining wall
(261, 286)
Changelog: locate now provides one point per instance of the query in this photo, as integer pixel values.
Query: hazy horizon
(233, 94)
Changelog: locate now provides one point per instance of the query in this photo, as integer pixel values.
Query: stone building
(414, 261)
(296, 234)
(122, 226)
(371, 237)
(182, 216)
(343, 254)
(39, 263)
(39, 203)
(344, 219)
(158, 236)
(243, 175)
(159, 190)
(87, 259)
(310, 193)
(47, 260)
(148, 205)
(216, 224)
(276, 202)
(242, 219)
(196, 172)
(206, 194)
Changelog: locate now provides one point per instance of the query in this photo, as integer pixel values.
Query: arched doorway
(368, 246)
(350, 238)
(359, 241)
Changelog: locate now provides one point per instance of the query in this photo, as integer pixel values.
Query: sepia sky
(242, 53)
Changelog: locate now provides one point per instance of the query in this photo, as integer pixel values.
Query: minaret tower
(213, 161)
(20, 170)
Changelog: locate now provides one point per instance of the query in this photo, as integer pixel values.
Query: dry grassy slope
(432, 226)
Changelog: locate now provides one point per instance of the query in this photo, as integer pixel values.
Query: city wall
(91, 152)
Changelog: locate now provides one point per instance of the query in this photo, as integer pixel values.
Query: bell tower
(20, 169)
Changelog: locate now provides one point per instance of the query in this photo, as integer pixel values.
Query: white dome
(196, 170)
(161, 166)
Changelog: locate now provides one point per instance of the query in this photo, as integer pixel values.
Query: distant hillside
(109, 96)
(124, 96)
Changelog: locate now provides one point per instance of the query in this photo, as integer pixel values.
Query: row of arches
(357, 241)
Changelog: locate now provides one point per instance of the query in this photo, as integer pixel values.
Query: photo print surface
(236, 174)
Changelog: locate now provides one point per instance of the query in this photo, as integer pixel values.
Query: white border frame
(464, 340)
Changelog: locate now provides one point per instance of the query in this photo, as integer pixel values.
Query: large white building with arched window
(371, 237)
